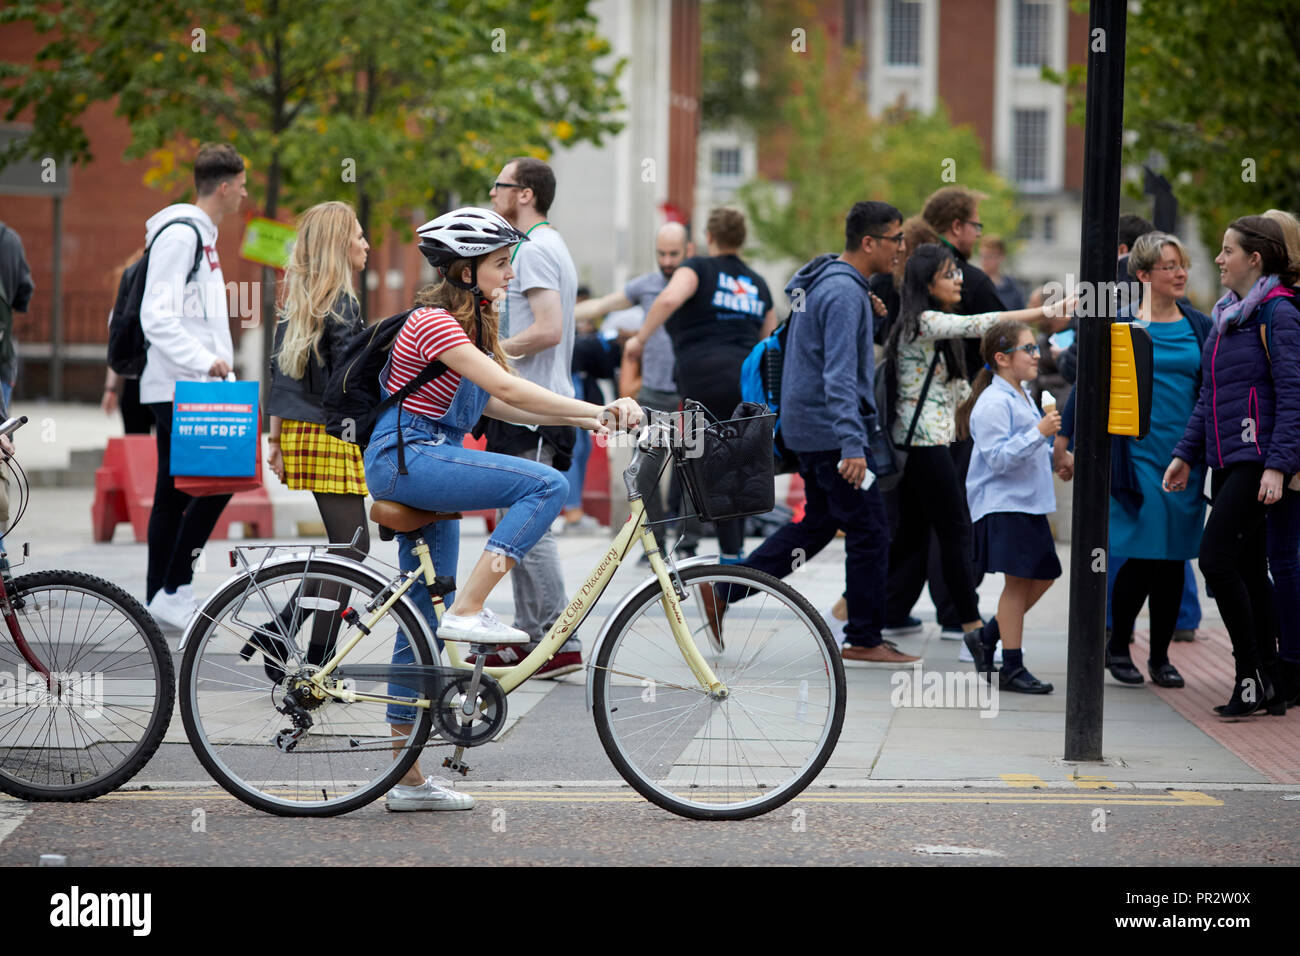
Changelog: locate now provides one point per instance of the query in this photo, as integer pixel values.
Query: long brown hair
(460, 303)
(1003, 336)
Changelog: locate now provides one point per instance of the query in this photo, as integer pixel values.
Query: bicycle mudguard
(650, 583)
(317, 560)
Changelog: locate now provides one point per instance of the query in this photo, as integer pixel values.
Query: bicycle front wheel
(235, 713)
(100, 714)
(747, 753)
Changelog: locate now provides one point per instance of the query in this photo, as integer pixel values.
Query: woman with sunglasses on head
(1153, 534)
(1246, 424)
(925, 343)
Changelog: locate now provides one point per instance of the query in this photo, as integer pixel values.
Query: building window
(1049, 227)
(904, 32)
(1029, 132)
(726, 162)
(1026, 228)
(1033, 33)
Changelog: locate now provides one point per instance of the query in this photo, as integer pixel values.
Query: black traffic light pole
(1103, 132)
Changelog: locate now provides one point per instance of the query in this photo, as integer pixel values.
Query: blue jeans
(1282, 536)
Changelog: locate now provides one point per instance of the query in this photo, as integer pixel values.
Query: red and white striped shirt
(425, 335)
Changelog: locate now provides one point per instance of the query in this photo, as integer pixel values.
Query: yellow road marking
(1024, 780)
(1159, 798)
(1087, 782)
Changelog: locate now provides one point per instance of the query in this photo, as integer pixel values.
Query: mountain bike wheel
(113, 699)
(345, 759)
(723, 759)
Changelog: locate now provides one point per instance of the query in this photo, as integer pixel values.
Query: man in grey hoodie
(826, 402)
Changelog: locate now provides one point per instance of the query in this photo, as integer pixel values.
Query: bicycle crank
(486, 716)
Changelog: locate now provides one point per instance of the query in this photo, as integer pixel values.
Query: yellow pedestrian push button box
(1130, 380)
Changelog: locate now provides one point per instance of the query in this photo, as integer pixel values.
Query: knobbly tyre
(86, 678)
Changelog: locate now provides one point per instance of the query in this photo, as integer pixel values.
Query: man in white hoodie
(188, 330)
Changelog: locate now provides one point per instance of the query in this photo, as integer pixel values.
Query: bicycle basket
(727, 466)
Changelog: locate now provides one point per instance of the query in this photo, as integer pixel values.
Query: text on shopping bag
(214, 429)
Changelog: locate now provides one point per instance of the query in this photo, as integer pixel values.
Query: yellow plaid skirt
(315, 460)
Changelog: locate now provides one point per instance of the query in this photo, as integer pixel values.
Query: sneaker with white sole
(835, 624)
(427, 796)
(172, 610)
(481, 628)
(951, 634)
(909, 627)
(966, 657)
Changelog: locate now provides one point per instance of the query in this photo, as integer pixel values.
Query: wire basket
(727, 465)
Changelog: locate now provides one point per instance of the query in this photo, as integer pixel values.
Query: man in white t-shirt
(538, 327)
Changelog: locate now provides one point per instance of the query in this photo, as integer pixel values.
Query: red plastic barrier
(124, 485)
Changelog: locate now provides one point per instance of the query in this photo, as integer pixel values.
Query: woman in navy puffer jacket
(1246, 425)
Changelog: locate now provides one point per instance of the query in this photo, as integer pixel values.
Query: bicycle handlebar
(12, 425)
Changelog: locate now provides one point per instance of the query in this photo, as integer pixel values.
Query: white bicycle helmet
(465, 234)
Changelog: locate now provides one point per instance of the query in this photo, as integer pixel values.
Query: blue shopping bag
(215, 430)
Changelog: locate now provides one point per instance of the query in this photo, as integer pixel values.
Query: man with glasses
(827, 402)
(537, 329)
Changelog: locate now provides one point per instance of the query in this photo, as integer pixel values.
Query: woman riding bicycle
(455, 322)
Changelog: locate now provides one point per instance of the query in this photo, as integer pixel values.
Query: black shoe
(983, 660)
(1165, 675)
(1238, 705)
(274, 648)
(1274, 698)
(1185, 634)
(1122, 669)
(1021, 681)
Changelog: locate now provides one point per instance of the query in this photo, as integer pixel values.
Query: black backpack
(352, 402)
(127, 345)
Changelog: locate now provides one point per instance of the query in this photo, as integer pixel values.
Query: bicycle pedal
(456, 766)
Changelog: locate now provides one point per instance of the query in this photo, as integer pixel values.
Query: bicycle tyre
(207, 677)
(124, 653)
(684, 773)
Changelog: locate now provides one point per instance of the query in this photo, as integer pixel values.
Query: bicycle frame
(577, 609)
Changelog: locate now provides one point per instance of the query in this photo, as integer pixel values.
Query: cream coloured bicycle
(717, 691)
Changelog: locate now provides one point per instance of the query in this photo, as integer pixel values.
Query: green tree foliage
(1212, 96)
(426, 97)
(838, 154)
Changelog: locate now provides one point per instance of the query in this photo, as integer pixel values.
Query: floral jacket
(938, 422)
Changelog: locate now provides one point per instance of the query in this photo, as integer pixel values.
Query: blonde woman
(320, 313)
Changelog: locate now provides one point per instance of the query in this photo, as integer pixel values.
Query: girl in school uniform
(1009, 489)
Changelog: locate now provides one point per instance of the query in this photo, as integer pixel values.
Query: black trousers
(136, 418)
(833, 505)
(712, 378)
(932, 496)
(1138, 580)
(179, 524)
(1233, 560)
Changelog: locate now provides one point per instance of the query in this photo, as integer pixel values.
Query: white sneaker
(951, 634)
(427, 796)
(835, 624)
(965, 655)
(481, 628)
(186, 593)
(171, 610)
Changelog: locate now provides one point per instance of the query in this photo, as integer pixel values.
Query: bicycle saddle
(393, 517)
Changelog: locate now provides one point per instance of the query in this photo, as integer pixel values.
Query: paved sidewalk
(1153, 738)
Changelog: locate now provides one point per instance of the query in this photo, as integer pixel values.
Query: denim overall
(442, 475)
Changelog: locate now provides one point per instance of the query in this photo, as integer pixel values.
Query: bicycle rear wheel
(347, 757)
(112, 701)
(747, 753)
